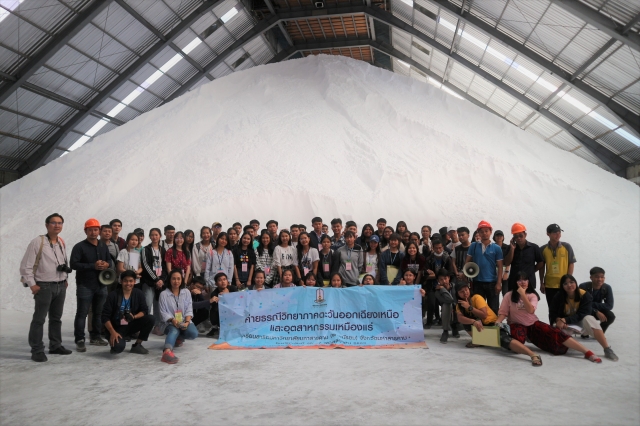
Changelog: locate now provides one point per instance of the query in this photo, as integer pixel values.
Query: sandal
(592, 357)
(536, 361)
(471, 345)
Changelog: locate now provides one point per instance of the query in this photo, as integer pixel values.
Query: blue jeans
(93, 297)
(172, 334)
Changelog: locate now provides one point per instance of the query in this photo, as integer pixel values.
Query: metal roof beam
(40, 156)
(47, 51)
(592, 59)
(630, 24)
(600, 21)
(624, 113)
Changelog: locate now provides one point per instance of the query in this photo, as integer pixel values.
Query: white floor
(445, 384)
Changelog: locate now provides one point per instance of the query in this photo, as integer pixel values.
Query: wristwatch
(470, 309)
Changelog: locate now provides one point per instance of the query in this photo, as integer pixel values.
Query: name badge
(347, 266)
(178, 316)
(244, 267)
(123, 321)
(325, 267)
(369, 268)
(306, 271)
(267, 270)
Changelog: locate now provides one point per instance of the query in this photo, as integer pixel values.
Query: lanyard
(127, 303)
(393, 259)
(349, 250)
(176, 299)
(220, 260)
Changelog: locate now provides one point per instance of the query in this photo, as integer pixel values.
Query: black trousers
(550, 293)
(610, 319)
(49, 300)
(142, 325)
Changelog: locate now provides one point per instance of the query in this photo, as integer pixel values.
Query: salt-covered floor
(445, 384)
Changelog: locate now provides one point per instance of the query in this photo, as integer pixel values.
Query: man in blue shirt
(488, 256)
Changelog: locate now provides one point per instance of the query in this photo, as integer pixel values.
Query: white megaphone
(471, 270)
(107, 277)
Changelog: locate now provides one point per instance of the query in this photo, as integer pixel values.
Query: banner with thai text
(313, 318)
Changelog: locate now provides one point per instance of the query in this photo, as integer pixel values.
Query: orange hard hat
(484, 224)
(91, 223)
(516, 228)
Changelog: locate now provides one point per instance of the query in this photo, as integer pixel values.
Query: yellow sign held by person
(489, 336)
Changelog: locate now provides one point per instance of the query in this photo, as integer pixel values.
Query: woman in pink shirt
(519, 307)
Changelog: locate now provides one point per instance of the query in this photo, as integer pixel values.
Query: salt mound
(326, 136)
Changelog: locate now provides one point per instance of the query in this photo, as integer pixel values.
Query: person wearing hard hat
(523, 256)
(488, 256)
(89, 259)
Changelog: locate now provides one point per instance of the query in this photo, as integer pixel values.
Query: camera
(64, 268)
(128, 316)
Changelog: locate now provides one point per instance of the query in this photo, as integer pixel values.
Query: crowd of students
(172, 286)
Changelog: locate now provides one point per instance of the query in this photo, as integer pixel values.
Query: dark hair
(394, 236)
(203, 228)
(260, 248)
(198, 280)
(131, 235)
(442, 272)
(336, 220)
(225, 236)
(218, 276)
(290, 271)
(301, 226)
(463, 229)
(316, 219)
(309, 275)
(175, 271)
(406, 231)
(259, 271)
(104, 227)
(323, 237)
(284, 231)
(112, 221)
(383, 241)
(250, 246)
(436, 241)
(562, 291)
(367, 225)
(428, 227)
(187, 253)
(596, 270)
(350, 223)
(272, 221)
(299, 246)
(415, 234)
(339, 276)
(294, 226)
(51, 216)
(515, 296)
(368, 275)
(414, 273)
(155, 229)
(349, 234)
(406, 250)
(381, 220)
(128, 273)
(252, 221)
(189, 246)
(236, 223)
(399, 224)
(247, 227)
(169, 228)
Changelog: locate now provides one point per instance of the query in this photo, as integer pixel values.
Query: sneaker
(169, 357)
(138, 349)
(456, 334)
(444, 337)
(471, 345)
(179, 342)
(214, 333)
(609, 353)
(60, 351)
(427, 326)
(39, 357)
(592, 357)
(80, 347)
(584, 336)
(98, 341)
(200, 328)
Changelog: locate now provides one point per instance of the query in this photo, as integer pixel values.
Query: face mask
(438, 254)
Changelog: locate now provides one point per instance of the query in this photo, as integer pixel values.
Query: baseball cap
(554, 227)
(498, 232)
(451, 228)
(216, 224)
(138, 231)
(374, 238)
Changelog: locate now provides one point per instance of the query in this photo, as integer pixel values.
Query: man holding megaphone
(488, 256)
(89, 259)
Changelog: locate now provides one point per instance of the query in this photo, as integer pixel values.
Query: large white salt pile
(325, 136)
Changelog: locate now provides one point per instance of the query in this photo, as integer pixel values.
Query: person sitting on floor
(602, 295)
(222, 287)
(445, 298)
(176, 309)
(474, 312)
(519, 306)
(571, 309)
(126, 313)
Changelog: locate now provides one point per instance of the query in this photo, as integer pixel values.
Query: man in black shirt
(602, 295)
(523, 256)
(498, 238)
(460, 252)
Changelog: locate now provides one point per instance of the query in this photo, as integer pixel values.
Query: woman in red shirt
(178, 257)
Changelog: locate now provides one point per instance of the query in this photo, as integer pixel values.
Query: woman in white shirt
(308, 257)
(129, 258)
(285, 256)
(200, 252)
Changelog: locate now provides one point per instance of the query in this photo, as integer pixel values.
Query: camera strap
(38, 256)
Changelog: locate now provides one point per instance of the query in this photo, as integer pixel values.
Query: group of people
(172, 286)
